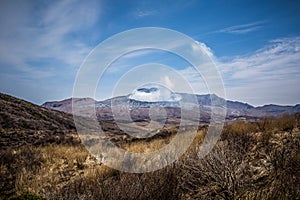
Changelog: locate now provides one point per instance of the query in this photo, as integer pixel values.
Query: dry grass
(143, 146)
(45, 170)
(60, 163)
(253, 160)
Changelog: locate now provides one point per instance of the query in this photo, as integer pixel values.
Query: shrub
(286, 123)
(265, 124)
(154, 185)
(239, 134)
(223, 174)
(285, 175)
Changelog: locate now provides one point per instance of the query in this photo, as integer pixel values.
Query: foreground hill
(22, 123)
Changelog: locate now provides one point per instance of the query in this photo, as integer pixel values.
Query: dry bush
(155, 185)
(266, 137)
(223, 174)
(241, 166)
(239, 134)
(240, 127)
(281, 179)
(285, 160)
(268, 126)
(286, 123)
(297, 118)
(265, 124)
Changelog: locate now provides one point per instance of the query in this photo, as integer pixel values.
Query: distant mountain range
(139, 108)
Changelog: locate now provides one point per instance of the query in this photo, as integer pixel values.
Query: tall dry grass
(252, 160)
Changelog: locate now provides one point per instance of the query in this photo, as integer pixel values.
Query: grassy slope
(23, 123)
(19, 114)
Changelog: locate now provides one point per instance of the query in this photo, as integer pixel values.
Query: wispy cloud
(281, 58)
(141, 47)
(43, 41)
(242, 28)
(44, 32)
(144, 13)
(269, 75)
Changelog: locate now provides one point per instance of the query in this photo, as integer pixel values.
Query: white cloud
(43, 32)
(154, 93)
(41, 42)
(243, 28)
(280, 58)
(195, 80)
(144, 13)
(269, 75)
(142, 44)
(167, 82)
(203, 47)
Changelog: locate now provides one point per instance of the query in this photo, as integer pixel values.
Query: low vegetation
(252, 160)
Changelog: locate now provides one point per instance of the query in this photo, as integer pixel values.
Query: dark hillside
(22, 123)
(19, 114)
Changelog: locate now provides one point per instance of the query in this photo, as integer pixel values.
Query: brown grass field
(252, 160)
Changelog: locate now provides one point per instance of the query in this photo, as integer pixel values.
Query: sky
(255, 46)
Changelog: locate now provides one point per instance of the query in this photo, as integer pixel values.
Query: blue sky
(255, 44)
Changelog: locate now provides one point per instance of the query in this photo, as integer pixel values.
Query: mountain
(277, 110)
(22, 123)
(66, 105)
(142, 99)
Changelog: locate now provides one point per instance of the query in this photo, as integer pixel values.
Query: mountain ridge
(235, 109)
